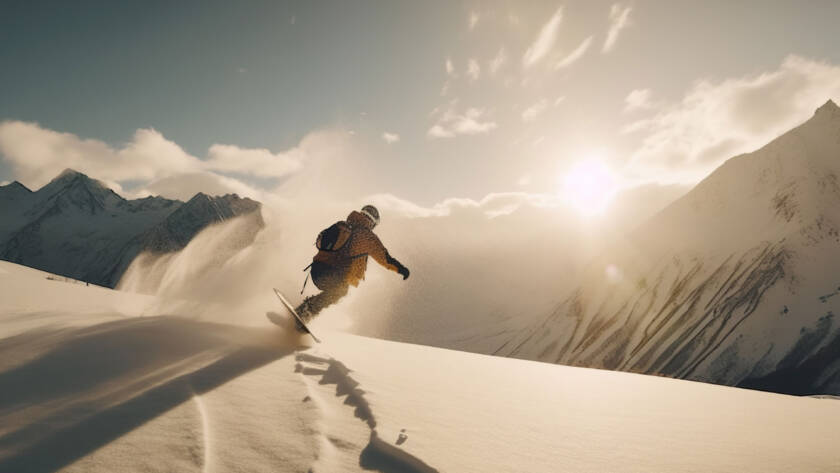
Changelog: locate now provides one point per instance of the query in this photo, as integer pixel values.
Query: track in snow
(378, 454)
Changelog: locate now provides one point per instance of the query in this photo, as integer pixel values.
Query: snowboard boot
(304, 311)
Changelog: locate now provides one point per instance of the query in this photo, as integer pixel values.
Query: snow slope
(734, 283)
(90, 385)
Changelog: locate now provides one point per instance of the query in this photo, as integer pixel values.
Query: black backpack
(334, 237)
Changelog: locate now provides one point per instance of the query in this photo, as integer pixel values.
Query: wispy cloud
(473, 69)
(545, 40)
(472, 21)
(257, 162)
(450, 67)
(390, 137)
(38, 154)
(451, 123)
(491, 205)
(685, 140)
(619, 19)
(184, 186)
(573, 56)
(638, 99)
(498, 61)
(531, 113)
(439, 131)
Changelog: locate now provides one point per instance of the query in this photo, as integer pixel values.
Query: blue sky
(434, 99)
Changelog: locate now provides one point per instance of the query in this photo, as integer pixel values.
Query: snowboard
(274, 319)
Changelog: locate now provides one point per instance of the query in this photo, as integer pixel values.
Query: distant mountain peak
(76, 226)
(67, 175)
(69, 172)
(76, 178)
(828, 109)
(16, 185)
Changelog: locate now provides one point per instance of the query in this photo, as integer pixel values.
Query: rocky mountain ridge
(77, 227)
(734, 283)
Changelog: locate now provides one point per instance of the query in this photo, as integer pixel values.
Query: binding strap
(307, 278)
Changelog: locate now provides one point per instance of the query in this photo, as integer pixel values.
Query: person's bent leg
(312, 305)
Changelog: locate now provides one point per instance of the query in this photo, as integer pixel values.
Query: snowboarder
(341, 261)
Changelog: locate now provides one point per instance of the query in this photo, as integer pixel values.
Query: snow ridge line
(337, 373)
(205, 432)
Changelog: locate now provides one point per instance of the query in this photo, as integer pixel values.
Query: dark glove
(404, 272)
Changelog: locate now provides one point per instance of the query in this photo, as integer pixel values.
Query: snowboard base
(276, 320)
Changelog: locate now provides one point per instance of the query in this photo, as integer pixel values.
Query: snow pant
(333, 285)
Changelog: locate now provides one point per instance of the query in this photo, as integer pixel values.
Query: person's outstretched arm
(375, 249)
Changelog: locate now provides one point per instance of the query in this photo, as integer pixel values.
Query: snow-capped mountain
(77, 227)
(734, 283)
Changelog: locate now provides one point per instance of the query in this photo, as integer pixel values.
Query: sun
(589, 186)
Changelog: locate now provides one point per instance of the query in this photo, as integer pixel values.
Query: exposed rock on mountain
(77, 227)
(734, 283)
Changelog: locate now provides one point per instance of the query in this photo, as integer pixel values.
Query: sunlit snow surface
(86, 384)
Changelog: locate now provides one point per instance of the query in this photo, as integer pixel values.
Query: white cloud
(473, 69)
(559, 100)
(573, 56)
(393, 205)
(390, 137)
(185, 186)
(498, 61)
(451, 123)
(638, 99)
(716, 120)
(438, 131)
(472, 22)
(450, 74)
(334, 170)
(619, 19)
(5, 183)
(531, 113)
(450, 68)
(545, 40)
(36, 155)
(258, 162)
(491, 205)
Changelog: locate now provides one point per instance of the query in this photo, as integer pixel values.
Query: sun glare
(588, 187)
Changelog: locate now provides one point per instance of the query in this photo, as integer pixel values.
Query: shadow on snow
(75, 390)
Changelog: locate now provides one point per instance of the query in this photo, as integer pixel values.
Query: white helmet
(372, 213)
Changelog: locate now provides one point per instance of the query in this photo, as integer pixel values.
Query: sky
(435, 100)
(505, 143)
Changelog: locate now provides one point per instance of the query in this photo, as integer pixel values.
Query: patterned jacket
(352, 257)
